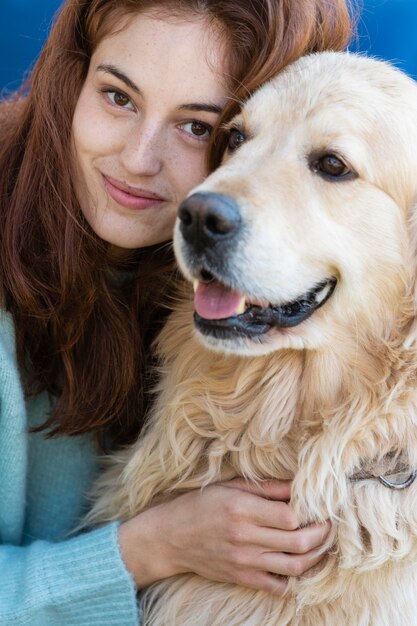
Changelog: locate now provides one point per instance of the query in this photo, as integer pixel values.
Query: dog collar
(401, 476)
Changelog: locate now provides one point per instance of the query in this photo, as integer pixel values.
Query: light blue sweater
(46, 578)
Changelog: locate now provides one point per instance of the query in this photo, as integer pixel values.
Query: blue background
(388, 29)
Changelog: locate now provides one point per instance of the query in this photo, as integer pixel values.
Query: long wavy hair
(84, 326)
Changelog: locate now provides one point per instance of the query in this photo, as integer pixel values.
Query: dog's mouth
(225, 313)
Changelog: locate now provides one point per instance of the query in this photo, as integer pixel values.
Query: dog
(296, 357)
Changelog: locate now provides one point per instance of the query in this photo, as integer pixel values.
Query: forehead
(187, 48)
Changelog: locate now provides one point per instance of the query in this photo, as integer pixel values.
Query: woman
(113, 133)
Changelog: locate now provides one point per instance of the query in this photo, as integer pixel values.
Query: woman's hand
(232, 532)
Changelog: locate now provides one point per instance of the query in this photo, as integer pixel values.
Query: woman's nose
(142, 153)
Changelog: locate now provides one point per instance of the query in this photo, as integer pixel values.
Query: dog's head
(304, 231)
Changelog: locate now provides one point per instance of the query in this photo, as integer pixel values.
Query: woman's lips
(130, 198)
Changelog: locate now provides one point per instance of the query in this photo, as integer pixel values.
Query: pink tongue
(215, 301)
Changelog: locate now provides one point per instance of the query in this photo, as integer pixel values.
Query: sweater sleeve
(82, 580)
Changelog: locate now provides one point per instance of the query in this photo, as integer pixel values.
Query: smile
(131, 197)
(252, 320)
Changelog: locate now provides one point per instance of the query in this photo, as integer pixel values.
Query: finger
(252, 509)
(289, 564)
(264, 581)
(297, 541)
(271, 489)
(273, 514)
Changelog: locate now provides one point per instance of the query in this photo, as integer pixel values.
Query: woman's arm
(82, 580)
(79, 581)
(229, 532)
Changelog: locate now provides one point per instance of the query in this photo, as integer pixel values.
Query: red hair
(81, 334)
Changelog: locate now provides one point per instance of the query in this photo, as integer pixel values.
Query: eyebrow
(189, 106)
(111, 69)
(201, 106)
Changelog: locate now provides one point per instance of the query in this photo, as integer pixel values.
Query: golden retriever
(299, 361)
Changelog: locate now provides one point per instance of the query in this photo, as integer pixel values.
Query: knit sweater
(47, 576)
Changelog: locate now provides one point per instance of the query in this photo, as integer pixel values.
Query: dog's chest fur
(312, 417)
(290, 415)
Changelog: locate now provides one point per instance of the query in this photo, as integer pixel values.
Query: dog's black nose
(208, 218)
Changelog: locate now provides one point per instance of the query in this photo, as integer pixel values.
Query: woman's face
(142, 123)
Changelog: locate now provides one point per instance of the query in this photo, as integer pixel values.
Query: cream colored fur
(315, 402)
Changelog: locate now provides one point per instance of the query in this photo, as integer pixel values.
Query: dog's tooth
(242, 306)
(196, 282)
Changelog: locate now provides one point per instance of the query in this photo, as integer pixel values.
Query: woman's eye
(197, 129)
(331, 167)
(236, 138)
(120, 99)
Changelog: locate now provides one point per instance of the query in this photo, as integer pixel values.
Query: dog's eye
(331, 167)
(236, 138)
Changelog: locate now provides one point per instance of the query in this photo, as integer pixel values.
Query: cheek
(188, 168)
(93, 135)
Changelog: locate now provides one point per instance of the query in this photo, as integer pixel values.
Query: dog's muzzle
(257, 321)
(211, 226)
(209, 220)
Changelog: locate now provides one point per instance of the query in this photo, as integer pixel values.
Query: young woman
(114, 130)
